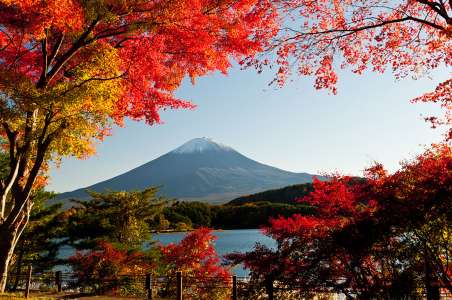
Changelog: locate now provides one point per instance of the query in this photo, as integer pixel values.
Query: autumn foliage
(109, 269)
(384, 235)
(72, 69)
(106, 268)
(318, 38)
(197, 259)
(407, 37)
(115, 59)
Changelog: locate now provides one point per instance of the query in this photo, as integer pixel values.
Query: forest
(252, 211)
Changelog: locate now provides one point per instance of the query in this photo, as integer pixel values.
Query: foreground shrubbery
(388, 236)
(111, 270)
(103, 269)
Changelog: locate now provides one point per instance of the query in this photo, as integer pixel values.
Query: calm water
(227, 241)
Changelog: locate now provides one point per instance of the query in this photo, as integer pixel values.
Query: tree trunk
(14, 223)
(433, 292)
(18, 267)
(430, 280)
(10, 233)
(8, 238)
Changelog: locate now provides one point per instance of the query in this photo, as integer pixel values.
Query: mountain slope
(200, 169)
(288, 195)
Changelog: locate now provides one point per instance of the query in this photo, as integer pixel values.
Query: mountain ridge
(200, 169)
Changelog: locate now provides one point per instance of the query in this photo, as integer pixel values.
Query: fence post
(179, 285)
(27, 284)
(148, 286)
(58, 281)
(269, 287)
(234, 287)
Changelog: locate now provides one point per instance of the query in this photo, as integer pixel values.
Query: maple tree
(409, 37)
(111, 267)
(349, 246)
(105, 269)
(71, 69)
(197, 259)
(386, 236)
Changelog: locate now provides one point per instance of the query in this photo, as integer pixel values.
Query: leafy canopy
(407, 37)
(81, 64)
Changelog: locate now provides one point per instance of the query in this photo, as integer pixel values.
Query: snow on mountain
(201, 145)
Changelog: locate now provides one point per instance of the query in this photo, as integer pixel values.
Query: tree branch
(349, 31)
(66, 56)
(56, 49)
(437, 7)
(44, 57)
(13, 171)
(79, 85)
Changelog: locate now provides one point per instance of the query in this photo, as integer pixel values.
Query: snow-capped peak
(203, 144)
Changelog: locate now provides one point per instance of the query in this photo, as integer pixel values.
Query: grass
(53, 296)
(20, 295)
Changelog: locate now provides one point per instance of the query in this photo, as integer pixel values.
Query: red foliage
(360, 226)
(196, 257)
(158, 43)
(409, 37)
(442, 94)
(107, 263)
(338, 202)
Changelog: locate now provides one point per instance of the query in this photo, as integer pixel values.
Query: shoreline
(193, 229)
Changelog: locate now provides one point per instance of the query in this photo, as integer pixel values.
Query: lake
(227, 241)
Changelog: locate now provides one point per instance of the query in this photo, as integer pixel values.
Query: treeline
(289, 194)
(245, 212)
(187, 215)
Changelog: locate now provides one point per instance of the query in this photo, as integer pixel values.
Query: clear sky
(295, 128)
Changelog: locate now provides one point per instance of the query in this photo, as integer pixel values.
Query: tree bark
(8, 239)
(430, 280)
(12, 225)
(18, 266)
(10, 232)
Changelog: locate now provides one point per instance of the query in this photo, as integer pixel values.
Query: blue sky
(295, 128)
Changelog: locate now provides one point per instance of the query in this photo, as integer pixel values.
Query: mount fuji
(200, 169)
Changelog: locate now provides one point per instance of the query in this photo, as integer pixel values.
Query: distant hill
(202, 170)
(288, 194)
(285, 195)
(251, 211)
